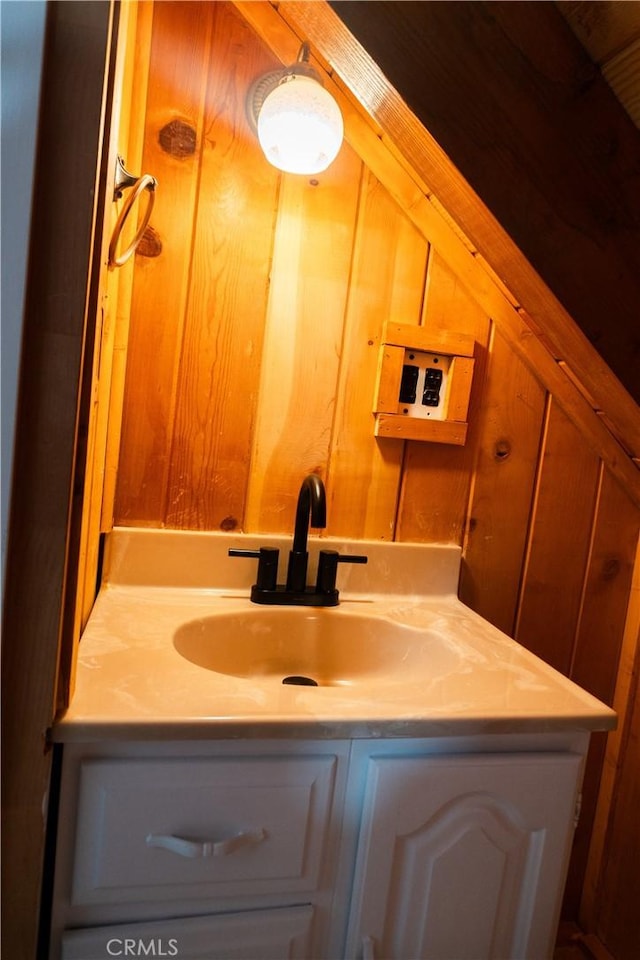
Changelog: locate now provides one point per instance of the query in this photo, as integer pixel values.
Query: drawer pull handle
(368, 948)
(205, 848)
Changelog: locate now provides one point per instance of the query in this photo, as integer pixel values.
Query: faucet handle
(267, 558)
(328, 561)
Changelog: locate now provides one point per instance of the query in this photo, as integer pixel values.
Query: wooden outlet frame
(389, 422)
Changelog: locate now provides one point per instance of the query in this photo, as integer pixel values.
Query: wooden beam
(509, 95)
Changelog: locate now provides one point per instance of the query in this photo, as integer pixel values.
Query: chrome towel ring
(123, 181)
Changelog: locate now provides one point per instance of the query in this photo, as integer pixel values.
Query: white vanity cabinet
(448, 849)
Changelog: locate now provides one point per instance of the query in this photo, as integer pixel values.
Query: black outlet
(409, 383)
(432, 385)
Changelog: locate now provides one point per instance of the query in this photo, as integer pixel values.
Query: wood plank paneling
(401, 157)
(559, 543)
(503, 484)
(618, 918)
(599, 640)
(219, 368)
(396, 131)
(607, 589)
(303, 338)
(613, 773)
(387, 283)
(178, 71)
(436, 477)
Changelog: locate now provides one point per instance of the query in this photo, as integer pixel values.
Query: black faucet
(311, 511)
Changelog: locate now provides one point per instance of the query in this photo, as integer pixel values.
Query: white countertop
(132, 683)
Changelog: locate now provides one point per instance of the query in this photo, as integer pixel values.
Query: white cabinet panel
(278, 934)
(462, 858)
(166, 829)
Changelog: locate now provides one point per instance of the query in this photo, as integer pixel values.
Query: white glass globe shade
(300, 126)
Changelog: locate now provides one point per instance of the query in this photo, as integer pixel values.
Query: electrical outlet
(423, 388)
(423, 385)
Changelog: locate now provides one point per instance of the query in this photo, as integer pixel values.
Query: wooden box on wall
(441, 417)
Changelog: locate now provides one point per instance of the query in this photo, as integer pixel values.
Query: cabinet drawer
(268, 934)
(166, 829)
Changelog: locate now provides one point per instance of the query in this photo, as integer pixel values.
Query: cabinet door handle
(368, 948)
(206, 848)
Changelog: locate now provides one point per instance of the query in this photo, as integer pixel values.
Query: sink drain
(301, 681)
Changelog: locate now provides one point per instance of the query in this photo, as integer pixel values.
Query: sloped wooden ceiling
(609, 30)
(516, 103)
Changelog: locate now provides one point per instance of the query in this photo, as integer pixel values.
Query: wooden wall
(256, 319)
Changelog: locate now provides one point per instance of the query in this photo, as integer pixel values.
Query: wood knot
(150, 243)
(610, 568)
(229, 523)
(502, 450)
(178, 139)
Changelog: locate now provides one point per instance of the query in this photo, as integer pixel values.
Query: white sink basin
(317, 646)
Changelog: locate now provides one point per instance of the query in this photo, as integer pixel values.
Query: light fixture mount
(265, 84)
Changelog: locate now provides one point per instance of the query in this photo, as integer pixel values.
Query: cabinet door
(268, 934)
(462, 858)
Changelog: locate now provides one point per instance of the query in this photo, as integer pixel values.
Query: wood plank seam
(593, 528)
(532, 516)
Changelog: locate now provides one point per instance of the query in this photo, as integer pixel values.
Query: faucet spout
(311, 511)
